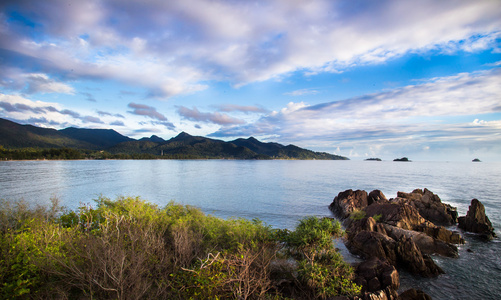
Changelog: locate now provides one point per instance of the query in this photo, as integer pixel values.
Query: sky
(387, 79)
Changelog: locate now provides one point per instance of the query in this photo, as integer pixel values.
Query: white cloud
(41, 83)
(43, 114)
(417, 115)
(217, 118)
(30, 83)
(302, 92)
(175, 47)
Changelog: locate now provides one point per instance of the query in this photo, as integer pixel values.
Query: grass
(128, 248)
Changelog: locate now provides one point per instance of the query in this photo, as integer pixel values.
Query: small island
(373, 159)
(476, 160)
(402, 159)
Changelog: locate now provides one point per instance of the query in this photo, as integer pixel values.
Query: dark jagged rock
(413, 294)
(440, 233)
(425, 243)
(376, 196)
(385, 294)
(403, 251)
(400, 236)
(410, 257)
(476, 221)
(348, 201)
(376, 274)
(429, 206)
(400, 215)
(369, 244)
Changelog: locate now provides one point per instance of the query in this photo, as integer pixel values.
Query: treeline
(72, 154)
(36, 153)
(132, 249)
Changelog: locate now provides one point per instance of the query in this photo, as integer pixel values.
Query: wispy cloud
(414, 115)
(241, 108)
(170, 48)
(13, 78)
(145, 110)
(217, 118)
(22, 109)
(104, 113)
(302, 92)
(88, 96)
(152, 113)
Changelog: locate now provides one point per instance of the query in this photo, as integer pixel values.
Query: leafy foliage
(128, 248)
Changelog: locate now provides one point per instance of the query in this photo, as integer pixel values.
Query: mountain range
(184, 145)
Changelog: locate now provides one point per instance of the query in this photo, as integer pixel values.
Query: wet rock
(348, 201)
(413, 294)
(476, 221)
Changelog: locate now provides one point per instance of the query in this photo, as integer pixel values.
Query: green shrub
(321, 269)
(357, 215)
(131, 249)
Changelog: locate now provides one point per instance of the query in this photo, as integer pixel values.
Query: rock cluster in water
(476, 221)
(402, 232)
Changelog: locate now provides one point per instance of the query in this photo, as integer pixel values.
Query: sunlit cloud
(47, 114)
(146, 110)
(414, 114)
(171, 49)
(194, 114)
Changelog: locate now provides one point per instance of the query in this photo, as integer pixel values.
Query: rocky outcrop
(440, 233)
(376, 274)
(476, 221)
(376, 196)
(369, 240)
(400, 215)
(429, 206)
(413, 294)
(411, 258)
(402, 236)
(347, 202)
(425, 243)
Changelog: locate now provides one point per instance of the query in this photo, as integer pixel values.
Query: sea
(281, 192)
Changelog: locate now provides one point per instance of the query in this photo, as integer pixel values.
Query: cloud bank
(169, 48)
(415, 116)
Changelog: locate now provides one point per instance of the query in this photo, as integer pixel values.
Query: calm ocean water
(280, 193)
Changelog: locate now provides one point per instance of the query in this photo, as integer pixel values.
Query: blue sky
(362, 79)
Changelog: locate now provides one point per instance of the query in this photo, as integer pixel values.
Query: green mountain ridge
(182, 146)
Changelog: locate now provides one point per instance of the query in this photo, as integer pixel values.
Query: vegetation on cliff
(30, 142)
(131, 249)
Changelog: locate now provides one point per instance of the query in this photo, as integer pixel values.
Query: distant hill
(102, 138)
(14, 135)
(183, 146)
(186, 146)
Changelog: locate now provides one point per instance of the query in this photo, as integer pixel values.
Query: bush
(131, 249)
(321, 269)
